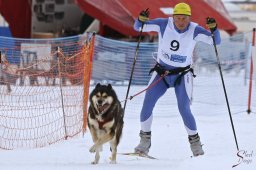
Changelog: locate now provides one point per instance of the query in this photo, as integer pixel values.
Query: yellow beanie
(182, 9)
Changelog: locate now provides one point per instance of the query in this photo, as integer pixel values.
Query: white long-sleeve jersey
(175, 48)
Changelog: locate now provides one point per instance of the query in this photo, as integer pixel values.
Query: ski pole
(251, 74)
(223, 84)
(133, 66)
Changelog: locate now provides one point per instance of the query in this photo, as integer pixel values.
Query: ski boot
(195, 145)
(145, 143)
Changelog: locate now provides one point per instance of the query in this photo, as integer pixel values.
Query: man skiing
(177, 38)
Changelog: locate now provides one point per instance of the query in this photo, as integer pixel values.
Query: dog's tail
(120, 124)
(119, 132)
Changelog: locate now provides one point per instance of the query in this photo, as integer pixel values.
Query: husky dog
(105, 120)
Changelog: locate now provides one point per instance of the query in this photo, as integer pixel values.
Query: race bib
(174, 57)
(178, 58)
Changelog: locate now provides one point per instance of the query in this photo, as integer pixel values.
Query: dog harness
(102, 123)
(105, 109)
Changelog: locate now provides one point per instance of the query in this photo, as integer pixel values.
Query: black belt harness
(181, 71)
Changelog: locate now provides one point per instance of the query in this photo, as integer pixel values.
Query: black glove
(211, 24)
(144, 16)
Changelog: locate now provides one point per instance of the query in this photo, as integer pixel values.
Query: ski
(138, 154)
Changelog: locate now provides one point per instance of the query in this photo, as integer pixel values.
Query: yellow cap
(182, 9)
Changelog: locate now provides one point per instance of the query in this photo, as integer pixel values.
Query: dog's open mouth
(102, 108)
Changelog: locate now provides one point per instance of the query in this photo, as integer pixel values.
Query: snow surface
(169, 139)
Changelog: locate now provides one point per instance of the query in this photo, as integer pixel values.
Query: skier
(177, 38)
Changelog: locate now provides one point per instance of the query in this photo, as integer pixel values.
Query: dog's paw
(94, 162)
(93, 149)
(112, 162)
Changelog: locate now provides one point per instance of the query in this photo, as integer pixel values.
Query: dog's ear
(98, 85)
(109, 86)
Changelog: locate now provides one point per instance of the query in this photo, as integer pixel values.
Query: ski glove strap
(211, 24)
(144, 16)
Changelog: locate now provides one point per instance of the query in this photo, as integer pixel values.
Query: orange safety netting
(44, 96)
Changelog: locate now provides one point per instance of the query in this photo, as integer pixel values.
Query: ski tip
(138, 154)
